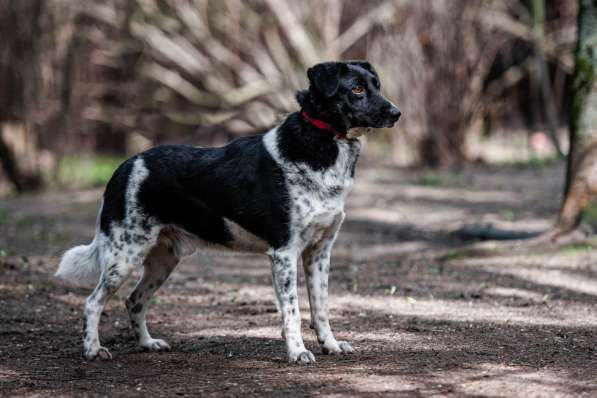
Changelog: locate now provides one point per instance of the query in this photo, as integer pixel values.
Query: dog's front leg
(284, 271)
(316, 263)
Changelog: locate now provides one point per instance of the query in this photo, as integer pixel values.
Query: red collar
(320, 124)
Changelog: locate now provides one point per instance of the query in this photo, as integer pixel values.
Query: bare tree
(238, 64)
(441, 67)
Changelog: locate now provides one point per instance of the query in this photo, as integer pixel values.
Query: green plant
(86, 172)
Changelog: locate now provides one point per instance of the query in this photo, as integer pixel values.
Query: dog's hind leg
(159, 263)
(120, 261)
(111, 279)
(316, 263)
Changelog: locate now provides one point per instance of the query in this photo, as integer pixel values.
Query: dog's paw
(155, 345)
(332, 347)
(301, 357)
(97, 352)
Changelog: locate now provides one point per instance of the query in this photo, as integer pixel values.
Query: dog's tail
(81, 264)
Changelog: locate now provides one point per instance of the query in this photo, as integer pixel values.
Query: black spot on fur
(146, 225)
(354, 164)
(140, 238)
(287, 284)
(137, 308)
(334, 190)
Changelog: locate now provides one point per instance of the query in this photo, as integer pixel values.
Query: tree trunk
(540, 75)
(20, 27)
(581, 173)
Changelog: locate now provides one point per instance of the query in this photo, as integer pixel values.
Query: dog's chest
(317, 196)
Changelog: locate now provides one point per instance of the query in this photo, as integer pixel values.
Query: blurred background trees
(112, 77)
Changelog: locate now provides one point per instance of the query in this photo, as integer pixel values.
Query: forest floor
(428, 312)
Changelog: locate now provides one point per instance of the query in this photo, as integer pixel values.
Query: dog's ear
(325, 77)
(365, 65)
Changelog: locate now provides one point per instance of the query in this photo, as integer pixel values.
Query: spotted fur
(281, 193)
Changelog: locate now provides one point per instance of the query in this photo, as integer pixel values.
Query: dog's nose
(395, 113)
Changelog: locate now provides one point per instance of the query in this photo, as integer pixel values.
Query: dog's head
(347, 95)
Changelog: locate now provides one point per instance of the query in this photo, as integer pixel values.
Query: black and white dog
(280, 193)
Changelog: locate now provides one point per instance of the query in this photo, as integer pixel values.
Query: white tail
(81, 264)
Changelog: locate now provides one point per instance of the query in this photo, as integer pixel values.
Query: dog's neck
(322, 125)
(312, 106)
(299, 141)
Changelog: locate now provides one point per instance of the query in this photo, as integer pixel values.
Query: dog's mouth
(388, 124)
(385, 121)
(380, 120)
(384, 124)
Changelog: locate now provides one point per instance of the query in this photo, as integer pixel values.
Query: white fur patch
(316, 196)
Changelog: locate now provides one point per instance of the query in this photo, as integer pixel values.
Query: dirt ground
(429, 313)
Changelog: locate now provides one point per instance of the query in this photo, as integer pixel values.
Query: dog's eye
(358, 90)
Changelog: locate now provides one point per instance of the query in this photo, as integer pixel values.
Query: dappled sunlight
(7, 374)
(403, 215)
(76, 301)
(507, 381)
(518, 293)
(466, 311)
(359, 252)
(375, 384)
(555, 278)
(21, 290)
(561, 270)
(261, 332)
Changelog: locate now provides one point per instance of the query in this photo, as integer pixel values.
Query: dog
(280, 193)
